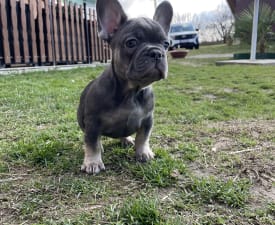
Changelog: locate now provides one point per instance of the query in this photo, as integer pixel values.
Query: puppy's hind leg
(127, 141)
(143, 150)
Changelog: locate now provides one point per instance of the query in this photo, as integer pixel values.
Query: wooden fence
(48, 32)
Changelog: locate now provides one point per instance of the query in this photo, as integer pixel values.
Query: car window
(181, 28)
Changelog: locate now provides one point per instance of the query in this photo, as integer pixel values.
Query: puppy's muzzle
(155, 55)
(149, 58)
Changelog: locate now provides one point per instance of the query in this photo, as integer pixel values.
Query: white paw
(127, 141)
(144, 154)
(92, 165)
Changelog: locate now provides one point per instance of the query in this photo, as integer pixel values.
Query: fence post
(87, 34)
(49, 31)
(41, 33)
(83, 36)
(96, 37)
(52, 32)
(17, 55)
(55, 31)
(92, 36)
(61, 32)
(34, 53)
(67, 33)
(78, 33)
(6, 44)
(24, 31)
(74, 53)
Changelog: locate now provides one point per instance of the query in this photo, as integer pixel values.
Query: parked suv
(183, 36)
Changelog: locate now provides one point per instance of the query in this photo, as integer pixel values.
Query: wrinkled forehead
(143, 29)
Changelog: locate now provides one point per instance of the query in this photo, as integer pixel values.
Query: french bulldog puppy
(120, 101)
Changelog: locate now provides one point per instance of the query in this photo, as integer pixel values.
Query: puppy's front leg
(92, 162)
(143, 150)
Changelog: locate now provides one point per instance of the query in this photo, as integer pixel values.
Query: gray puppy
(120, 101)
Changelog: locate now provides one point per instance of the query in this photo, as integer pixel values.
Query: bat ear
(110, 17)
(164, 15)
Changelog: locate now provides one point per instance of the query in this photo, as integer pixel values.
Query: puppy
(120, 101)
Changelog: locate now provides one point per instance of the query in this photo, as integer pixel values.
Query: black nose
(156, 54)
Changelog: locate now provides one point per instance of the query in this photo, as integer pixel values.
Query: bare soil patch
(240, 149)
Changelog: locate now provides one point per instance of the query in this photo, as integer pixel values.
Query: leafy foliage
(266, 21)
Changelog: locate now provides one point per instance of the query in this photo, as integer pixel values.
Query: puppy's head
(138, 45)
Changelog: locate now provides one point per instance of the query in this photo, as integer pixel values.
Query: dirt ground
(242, 149)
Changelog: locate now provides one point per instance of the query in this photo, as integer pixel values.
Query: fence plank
(24, 31)
(100, 49)
(92, 36)
(41, 32)
(104, 59)
(17, 55)
(72, 25)
(55, 31)
(67, 36)
(109, 52)
(82, 28)
(6, 45)
(48, 35)
(78, 32)
(33, 35)
(62, 44)
(96, 37)
(87, 34)
(105, 51)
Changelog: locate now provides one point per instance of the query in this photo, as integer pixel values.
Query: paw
(92, 166)
(127, 141)
(144, 154)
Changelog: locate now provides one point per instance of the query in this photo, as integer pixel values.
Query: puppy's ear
(110, 17)
(163, 15)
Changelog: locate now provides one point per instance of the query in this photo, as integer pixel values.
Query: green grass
(219, 49)
(160, 172)
(224, 48)
(213, 137)
(141, 211)
(208, 190)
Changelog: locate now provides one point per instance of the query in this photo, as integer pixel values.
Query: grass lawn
(235, 48)
(214, 139)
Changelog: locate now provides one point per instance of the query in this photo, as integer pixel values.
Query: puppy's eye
(131, 43)
(166, 45)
